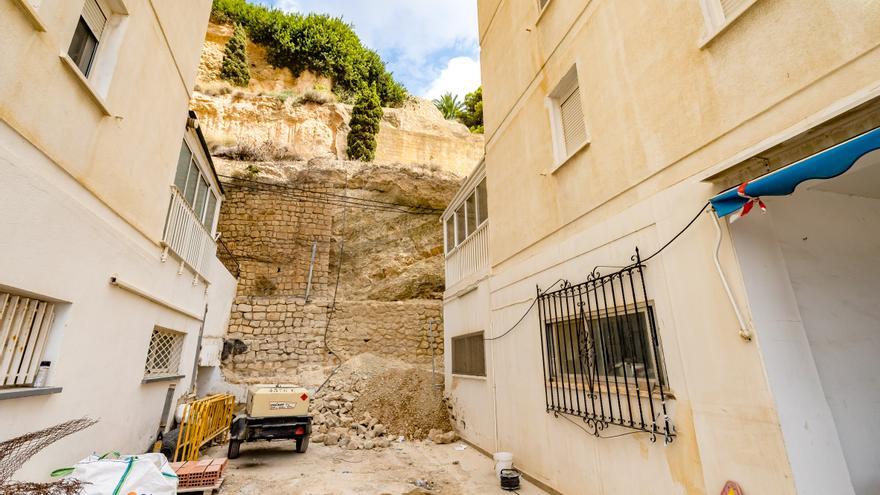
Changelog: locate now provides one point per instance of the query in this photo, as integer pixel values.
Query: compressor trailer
(274, 412)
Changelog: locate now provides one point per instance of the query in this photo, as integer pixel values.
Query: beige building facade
(109, 280)
(609, 126)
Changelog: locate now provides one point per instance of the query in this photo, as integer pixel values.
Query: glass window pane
(482, 203)
(201, 198)
(209, 212)
(471, 213)
(450, 234)
(182, 167)
(459, 225)
(82, 47)
(191, 181)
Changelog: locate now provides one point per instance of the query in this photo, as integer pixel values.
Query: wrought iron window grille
(602, 358)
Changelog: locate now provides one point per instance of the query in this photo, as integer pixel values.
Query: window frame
(608, 382)
(462, 221)
(463, 338)
(175, 357)
(717, 21)
(200, 176)
(567, 87)
(42, 328)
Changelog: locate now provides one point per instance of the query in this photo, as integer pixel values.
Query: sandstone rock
(331, 439)
(369, 445)
(317, 438)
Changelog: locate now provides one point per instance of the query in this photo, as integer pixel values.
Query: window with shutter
(733, 7)
(573, 128)
(94, 17)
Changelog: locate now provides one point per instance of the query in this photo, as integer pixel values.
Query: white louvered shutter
(24, 328)
(732, 7)
(94, 17)
(573, 128)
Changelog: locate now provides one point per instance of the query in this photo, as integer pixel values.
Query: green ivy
(365, 119)
(235, 62)
(319, 43)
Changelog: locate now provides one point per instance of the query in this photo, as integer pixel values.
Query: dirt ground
(275, 468)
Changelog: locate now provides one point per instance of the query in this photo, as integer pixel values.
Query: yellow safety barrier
(205, 420)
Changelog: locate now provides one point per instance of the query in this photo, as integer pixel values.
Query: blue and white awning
(826, 164)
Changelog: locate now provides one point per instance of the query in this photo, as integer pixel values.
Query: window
(482, 203)
(720, 13)
(195, 188)
(450, 234)
(163, 357)
(459, 225)
(468, 355)
(468, 217)
(567, 118)
(471, 208)
(24, 330)
(601, 353)
(619, 342)
(87, 35)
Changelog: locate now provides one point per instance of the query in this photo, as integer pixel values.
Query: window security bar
(602, 358)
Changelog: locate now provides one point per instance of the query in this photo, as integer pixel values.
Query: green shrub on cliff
(472, 113)
(319, 43)
(365, 119)
(235, 67)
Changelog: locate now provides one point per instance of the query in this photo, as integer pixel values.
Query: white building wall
(810, 265)
(471, 397)
(61, 242)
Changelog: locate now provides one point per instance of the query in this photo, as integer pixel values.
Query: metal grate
(468, 355)
(24, 330)
(163, 358)
(602, 358)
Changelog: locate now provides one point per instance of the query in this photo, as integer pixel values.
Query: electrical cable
(332, 309)
(523, 317)
(535, 300)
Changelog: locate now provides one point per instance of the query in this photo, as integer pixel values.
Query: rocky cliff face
(302, 115)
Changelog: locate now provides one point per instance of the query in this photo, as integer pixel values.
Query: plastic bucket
(503, 460)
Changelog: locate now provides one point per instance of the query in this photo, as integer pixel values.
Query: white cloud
(460, 77)
(417, 38)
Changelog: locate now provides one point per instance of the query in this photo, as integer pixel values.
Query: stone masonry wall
(286, 335)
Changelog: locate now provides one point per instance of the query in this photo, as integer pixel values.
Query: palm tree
(449, 106)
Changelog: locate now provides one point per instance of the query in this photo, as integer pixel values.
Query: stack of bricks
(199, 474)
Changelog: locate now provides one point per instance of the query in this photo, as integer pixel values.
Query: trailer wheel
(234, 449)
(302, 444)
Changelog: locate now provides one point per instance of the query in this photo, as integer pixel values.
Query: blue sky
(431, 46)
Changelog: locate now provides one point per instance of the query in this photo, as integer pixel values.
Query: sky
(431, 46)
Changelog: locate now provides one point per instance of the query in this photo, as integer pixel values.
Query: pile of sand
(406, 402)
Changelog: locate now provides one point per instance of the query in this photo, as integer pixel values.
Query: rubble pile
(371, 402)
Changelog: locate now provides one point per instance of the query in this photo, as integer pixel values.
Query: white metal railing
(24, 330)
(469, 257)
(187, 237)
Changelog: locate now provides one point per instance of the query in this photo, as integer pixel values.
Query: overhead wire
(658, 251)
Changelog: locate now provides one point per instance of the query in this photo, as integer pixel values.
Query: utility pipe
(744, 331)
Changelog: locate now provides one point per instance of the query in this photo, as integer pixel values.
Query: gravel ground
(275, 468)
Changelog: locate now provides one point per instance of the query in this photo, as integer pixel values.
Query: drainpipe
(744, 331)
(195, 370)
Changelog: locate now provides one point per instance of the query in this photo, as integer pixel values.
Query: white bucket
(503, 460)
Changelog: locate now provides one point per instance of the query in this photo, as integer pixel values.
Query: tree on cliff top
(472, 114)
(322, 44)
(365, 119)
(449, 106)
(235, 62)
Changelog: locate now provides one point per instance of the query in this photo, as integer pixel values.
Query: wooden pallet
(205, 490)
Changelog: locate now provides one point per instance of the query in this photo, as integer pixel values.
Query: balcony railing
(186, 237)
(469, 257)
